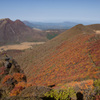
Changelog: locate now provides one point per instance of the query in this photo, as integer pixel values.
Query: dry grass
(97, 31)
(22, 46)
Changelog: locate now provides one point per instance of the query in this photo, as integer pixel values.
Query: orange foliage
(19, 85)
(18, 76)
(95, 52)
(6, 78)
(81, 85)
(22, 84)
(75, 59)
(18, 88)
(16, 91)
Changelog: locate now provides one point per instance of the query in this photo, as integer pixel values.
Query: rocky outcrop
(10, 77)
(13, 84)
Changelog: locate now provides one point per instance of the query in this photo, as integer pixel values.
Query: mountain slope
(17, 31)
(72, 56)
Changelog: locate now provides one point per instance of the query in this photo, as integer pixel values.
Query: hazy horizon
(79, 11)
(78, 22)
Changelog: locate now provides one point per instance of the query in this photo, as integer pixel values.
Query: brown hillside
(72, 56)
(17, 31)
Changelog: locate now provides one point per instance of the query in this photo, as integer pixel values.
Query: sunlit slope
(72, 56)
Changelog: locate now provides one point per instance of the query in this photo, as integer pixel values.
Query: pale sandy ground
(97, 32)
(22, 46)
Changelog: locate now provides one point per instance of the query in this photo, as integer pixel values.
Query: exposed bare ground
(22, 46)
(97, 31)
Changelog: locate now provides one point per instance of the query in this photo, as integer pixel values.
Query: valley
(22, 46)
(67, 62)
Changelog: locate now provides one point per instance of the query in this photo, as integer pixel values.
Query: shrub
(16, 91)
(23, 84)
(97, 86)
(19, 77)
(97, 83)
(6, 78)
(61, 94)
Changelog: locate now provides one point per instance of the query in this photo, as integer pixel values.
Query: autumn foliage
(69, 60)
(16, 76)
(18, 81)
(81, 85)
(6, 78)
(74, 59)
(19, 76)
(16, 91)
(19, 87)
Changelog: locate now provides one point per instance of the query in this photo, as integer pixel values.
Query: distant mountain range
(45, 26)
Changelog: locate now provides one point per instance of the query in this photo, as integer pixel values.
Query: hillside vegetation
(65, 68)
(72, 56)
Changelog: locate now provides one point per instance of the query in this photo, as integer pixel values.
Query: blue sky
(51, 10)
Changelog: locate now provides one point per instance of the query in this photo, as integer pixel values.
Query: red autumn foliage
(75, 59)
(16, 91)
(7, 77)
(19, 87)
(18, 81)
(16, 76)
(95, 52)
(23, 84)
(19, 76)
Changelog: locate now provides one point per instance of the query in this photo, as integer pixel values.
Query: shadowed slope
(68, 57)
